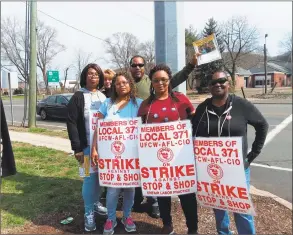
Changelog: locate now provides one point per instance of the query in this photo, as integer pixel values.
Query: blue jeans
(91, 189)
(112, 200)
(244, 223)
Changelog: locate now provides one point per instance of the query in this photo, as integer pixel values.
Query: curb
(262, 193)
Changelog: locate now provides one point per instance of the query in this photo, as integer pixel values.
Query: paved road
(276, 153)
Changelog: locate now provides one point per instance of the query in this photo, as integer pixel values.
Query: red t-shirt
(167, 110)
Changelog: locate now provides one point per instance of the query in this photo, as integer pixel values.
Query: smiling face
(160, 82)
(219, 85)
(107, 82)
(122, 86)
(92, 79)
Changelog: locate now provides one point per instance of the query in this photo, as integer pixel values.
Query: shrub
(18, 91)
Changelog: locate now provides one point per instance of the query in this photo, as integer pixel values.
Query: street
(18, 110)
(277, 153)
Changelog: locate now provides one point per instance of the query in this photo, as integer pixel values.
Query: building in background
(277, 74)
(5, 75)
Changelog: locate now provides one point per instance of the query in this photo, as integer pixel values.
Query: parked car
(54, 106)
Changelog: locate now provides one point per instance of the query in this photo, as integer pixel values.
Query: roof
(287, 65)
(271, 67)
(242, 71)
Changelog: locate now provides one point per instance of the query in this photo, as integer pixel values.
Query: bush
(18, 91)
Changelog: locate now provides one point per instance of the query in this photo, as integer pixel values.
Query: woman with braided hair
(164, 105)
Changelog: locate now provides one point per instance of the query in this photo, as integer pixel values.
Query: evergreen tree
(205, 71)
(191, 35)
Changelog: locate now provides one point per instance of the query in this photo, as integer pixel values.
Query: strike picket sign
(220, 173)
(118, 152)
(167, 165)
(93, 118)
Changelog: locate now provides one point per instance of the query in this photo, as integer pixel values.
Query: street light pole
(265, 62)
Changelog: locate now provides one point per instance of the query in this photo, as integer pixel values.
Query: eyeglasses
(219, 80)
(93, 75)
(121, 84)
(135, 65)
(164, 80)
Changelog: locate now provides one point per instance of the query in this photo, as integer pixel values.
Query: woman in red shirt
(164, 105)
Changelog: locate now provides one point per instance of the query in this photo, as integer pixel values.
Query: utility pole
(33, 65)
(26, 60)
(265, 64)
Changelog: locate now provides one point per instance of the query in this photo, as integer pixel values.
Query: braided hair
(161, 67)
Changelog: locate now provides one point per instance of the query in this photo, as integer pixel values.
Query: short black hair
(218, 70)
(136, 56)
(83, 75)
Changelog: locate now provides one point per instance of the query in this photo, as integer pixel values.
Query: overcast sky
(102, 19)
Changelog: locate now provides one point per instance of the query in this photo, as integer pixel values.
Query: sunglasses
(135, 65)
(219, 80)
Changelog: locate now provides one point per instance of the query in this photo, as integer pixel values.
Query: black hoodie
(240, 112)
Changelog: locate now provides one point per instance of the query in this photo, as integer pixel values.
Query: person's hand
(79, 157)
(194, 58)
(95, 157)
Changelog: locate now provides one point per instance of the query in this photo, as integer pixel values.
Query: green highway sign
(53, 77)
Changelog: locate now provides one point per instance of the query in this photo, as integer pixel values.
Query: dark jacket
(7, 157)
(76, 122)
(207, 123)
(107, 92)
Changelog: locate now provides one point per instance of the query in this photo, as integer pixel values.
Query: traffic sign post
(53, 78)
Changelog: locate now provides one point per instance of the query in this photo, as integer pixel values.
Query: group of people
(125, 95)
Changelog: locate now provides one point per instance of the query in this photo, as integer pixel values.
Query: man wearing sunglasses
(143, 83)
(225, 115)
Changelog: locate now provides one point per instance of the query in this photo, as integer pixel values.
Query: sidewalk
(42, 140)
(64, 145)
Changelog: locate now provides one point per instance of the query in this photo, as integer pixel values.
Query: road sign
(53, 78)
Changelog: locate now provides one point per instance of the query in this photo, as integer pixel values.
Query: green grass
(37, 130)
(47, 182)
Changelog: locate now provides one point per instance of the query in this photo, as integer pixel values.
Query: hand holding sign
(95, 157)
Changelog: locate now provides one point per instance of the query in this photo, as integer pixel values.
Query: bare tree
(286, 43)
(147, 50)
(239, 39)
(13, 44)
(63, 84)
(121, 47)
(48, 48)
(82, 59)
